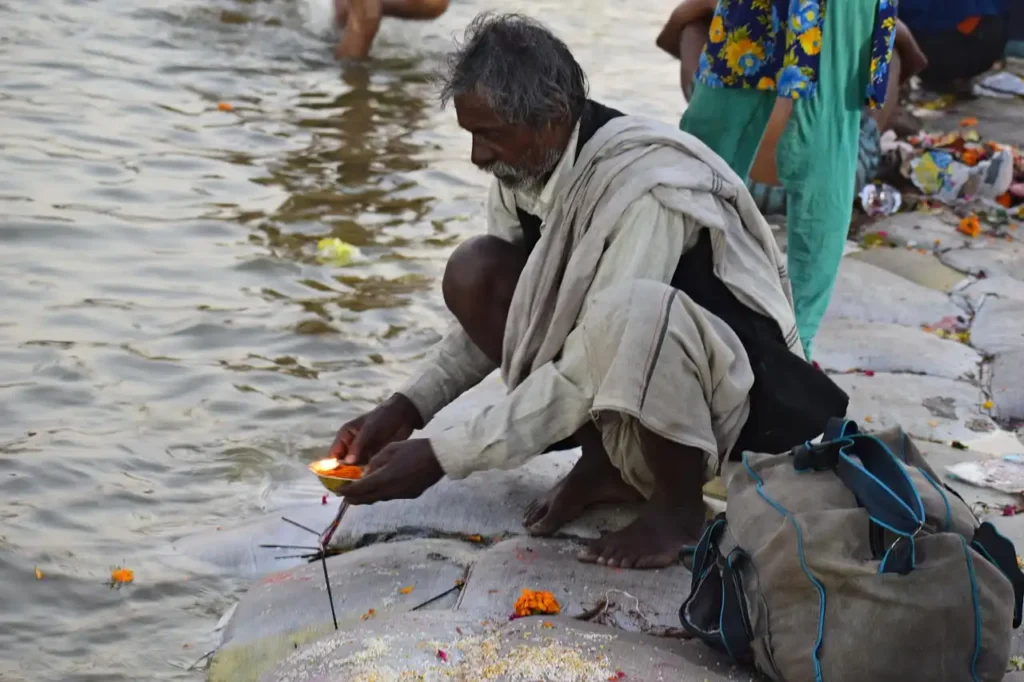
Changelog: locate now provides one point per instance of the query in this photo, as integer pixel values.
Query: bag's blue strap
(734, 623)
(876, 477)
(837, 428)
(1000, 551)
(882, 485)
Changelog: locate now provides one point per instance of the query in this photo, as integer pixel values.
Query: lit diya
(335, 475)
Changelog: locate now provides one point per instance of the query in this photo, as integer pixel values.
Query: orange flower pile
(536, 603)
(1004, 200)
(970, 157)
(970, 226)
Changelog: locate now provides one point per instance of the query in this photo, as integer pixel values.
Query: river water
(171, 351)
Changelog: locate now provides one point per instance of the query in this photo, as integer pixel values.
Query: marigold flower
(536, 603)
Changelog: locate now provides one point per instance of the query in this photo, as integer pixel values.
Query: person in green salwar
(829, 59)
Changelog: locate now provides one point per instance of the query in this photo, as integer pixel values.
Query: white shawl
(626, 158)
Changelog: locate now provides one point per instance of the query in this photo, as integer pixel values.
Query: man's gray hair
(525, 73)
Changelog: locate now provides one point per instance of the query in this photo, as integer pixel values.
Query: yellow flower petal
(987, 404)
(39, 574)
(407, 590)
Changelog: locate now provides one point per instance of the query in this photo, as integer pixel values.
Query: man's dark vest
(791, 401)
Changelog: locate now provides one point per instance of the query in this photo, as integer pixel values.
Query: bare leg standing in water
(360, 20)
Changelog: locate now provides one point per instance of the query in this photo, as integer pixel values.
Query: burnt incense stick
(330, 597)
(299, 525)
(456, 588)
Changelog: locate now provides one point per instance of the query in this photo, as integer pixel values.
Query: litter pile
(981, 181)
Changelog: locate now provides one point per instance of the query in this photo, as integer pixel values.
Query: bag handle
(871, 471)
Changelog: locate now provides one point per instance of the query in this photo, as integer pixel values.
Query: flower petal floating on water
(39, 574)
(335, 251)
(368, 615)
(224, 106)
(987, 404)
(968, 122)
(536, 603)
(121, 576)
(443, 655)
(407, 590)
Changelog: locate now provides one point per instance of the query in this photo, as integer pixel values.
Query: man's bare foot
(592, 481)
(653, 540)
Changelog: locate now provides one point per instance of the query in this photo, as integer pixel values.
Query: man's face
(520, 157)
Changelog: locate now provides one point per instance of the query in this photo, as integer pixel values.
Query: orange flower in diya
(334, 467)
(536, 603)
(970, 226)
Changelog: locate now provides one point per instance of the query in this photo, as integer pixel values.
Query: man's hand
(399, 471)
(360, 439)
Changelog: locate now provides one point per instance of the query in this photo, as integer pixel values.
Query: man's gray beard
(523, 180)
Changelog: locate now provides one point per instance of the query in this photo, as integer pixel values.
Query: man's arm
(456, 364)
(688, 12)
(555, 400)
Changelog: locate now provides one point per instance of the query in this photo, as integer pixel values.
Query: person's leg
(670, 393)
(399, 9)
(817, 161)
(361, 21)
(730, 121)
(478, 284)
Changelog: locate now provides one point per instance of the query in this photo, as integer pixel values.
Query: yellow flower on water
(988, 404)
(717, 33)
(765, 83)
(810, 40)
(744, 56)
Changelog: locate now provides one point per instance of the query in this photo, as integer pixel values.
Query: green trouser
(816, 156)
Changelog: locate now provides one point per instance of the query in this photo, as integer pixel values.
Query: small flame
(324, 465)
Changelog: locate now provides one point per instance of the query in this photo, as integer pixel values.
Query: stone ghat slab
(999, 326)
(407, 646)
(285, 609)
(918, 230)
(920, 268)
(868, 293)
(847, 345)
(637, 601)
(995, 258)
(929, 408)
(1008, 385)
(490, 504)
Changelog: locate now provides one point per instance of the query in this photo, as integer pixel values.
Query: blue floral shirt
(750, 46)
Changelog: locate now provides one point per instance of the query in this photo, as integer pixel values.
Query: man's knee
(481, 271)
